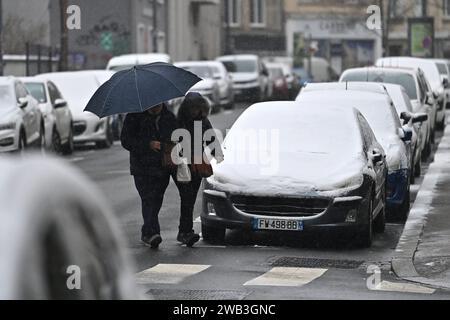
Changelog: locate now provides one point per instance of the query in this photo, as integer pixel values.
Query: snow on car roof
(352, 86)
(238, 57)
(137, 59)
(411, 71)
(309, 150)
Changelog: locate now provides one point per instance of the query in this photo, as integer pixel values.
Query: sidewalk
(423, 252)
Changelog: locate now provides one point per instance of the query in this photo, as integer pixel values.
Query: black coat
(139, 129)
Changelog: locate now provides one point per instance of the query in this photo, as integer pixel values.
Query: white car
(417, 88)
(21, 121)
(431, 72)
(444, 70)
(225, 83)
(208, 87)
(128, 61)
(379, 111)
(250, 76)
(78, 88)
(59, 240)
(56, 112)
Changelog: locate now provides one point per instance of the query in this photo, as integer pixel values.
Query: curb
(403, 261)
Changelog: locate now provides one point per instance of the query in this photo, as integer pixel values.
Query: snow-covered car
(77, 88)
(382, 117)
(431, 71)
(444, 70)
(300, 181)
(225, 83)
(250, 77)
(56, 112)
(413, 120)
(128, 61)
(58, 237)
(21, 121)
(417, 88)
(208, 87)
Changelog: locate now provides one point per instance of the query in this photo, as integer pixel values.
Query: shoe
(189, 238)
(153, 241)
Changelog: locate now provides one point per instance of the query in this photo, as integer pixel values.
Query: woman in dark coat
(195, 108)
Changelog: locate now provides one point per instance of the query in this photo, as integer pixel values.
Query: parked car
(444, 71)
(250, 77)
(291, 78)
(431, 72)
(208, 87)
(225, 83)
(78, 87)
(278, 81)
(417, 88)
(128, 61)
(382, 117)
(21, 121)
(57, 116)
(57, 231)
(328, 174)
(404, 109)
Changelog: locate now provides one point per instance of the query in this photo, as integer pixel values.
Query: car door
(63, 118)
(371, 147)
(29, 113)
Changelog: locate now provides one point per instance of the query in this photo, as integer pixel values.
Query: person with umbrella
(140, 92)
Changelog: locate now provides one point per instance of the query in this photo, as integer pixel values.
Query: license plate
(277, 224)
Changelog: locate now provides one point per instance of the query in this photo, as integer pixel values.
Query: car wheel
(67, 148)
(418, 169)
(109, 140)
(213, 235)
(365, 237)
(403, 211)
(56, 141)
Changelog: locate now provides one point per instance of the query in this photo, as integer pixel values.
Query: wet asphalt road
(239, 269)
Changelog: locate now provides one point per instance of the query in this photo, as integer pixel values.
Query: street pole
(155, 26)
(1, 38)
(227, 28)
(64, 43)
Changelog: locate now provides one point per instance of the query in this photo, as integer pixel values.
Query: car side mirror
(405, 134)
(406, 117)
(420, 117)
(445, 83)
(22, 102)
(60, 103)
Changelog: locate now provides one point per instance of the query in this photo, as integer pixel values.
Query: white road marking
(415, 188)
(169, 273)
(198, 220)
(287, 277)
(403, 288)
(118, 172)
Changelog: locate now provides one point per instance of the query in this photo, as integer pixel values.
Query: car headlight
(8, 126)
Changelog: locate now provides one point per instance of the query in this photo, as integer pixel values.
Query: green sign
(421, 37)
(106, 41)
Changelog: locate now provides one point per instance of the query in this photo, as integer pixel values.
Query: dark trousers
(151, 189)
(188, 195)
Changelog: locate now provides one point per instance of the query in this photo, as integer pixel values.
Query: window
(446, 8)
(233, 12)
(395, 8)
(21, 92)
(420, 8)
(37, 90)
(257, 13)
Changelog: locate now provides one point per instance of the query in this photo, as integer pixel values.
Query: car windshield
(6, 96)
(37, 90)
(403, 79)
(203, 72)
(239, 66)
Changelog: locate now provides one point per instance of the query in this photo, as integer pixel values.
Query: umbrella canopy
(140, 88)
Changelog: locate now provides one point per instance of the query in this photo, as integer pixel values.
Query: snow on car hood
(7, 113)
(244, 76)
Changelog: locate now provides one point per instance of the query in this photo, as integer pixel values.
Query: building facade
(335, 29)
(254, 26)
(396, 19)
(194, 29)
(110, 28)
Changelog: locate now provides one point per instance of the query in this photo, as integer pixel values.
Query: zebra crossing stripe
(169, 273)
(287, 277)
(402, 287)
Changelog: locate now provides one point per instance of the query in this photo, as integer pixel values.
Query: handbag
(167, 160)
(183, 172)
(203, 170)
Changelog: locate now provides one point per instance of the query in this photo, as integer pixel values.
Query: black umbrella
(140, 88)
